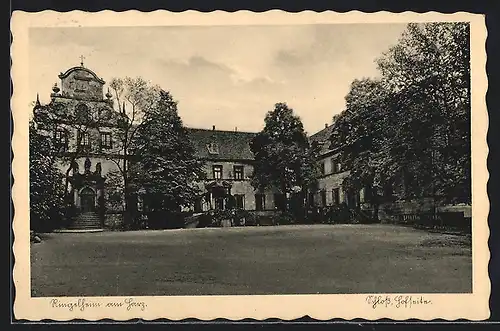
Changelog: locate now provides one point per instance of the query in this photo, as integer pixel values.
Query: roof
(81, 68)
(231, 145)
(323, 139)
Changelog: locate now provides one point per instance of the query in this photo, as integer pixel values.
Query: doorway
(87, 199)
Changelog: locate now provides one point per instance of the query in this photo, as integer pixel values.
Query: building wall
(328, 183)
(227, 169)
(239, 186)
(107, 166)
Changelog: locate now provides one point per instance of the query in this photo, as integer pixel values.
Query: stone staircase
(86, 221)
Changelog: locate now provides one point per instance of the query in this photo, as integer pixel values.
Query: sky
(227, 76)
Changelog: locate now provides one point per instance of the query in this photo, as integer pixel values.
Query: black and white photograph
(229, 159)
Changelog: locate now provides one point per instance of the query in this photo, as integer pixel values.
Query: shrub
(338, 214)
(166, 219)
(283, 218)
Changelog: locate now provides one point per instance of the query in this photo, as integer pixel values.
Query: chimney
(326, 125)
(213, 127)
(235, 129)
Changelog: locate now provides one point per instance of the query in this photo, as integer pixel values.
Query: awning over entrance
(219, 188)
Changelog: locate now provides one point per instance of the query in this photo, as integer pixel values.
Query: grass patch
(300, 259)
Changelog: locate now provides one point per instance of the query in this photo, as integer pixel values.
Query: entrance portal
(87, 199)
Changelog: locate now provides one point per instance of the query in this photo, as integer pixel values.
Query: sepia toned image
(218, 164)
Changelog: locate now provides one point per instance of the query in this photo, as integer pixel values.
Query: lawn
(251, 260)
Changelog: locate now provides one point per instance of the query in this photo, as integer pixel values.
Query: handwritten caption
(396, 301)
(83, 304)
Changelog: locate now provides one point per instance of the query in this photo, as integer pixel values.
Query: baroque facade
(84, 125)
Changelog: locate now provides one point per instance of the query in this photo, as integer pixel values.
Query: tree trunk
(127, 215)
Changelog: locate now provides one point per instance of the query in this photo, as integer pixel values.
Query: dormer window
(336, 166)
(213, 148)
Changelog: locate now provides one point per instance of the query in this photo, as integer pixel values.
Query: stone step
(85, 224)
(84, 221)
(74, 226)
(87, 219)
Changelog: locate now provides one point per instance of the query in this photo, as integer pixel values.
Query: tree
(135, 98)
(361, 133)
(165, 156)
(284, 159)
(411, 128)
(46, 183)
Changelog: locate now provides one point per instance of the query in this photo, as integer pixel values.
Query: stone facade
(330, 190)
(84, 125)
(228, 164)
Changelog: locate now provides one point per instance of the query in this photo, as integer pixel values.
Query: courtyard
(300, 259)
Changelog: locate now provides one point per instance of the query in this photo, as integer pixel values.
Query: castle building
(86, 128)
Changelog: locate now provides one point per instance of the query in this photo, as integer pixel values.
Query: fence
(453, 221)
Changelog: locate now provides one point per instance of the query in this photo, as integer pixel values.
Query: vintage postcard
(249, 165)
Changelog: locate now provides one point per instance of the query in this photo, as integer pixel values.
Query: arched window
(82, 112)
(87, 191)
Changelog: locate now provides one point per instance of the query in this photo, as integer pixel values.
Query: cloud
(223, 75)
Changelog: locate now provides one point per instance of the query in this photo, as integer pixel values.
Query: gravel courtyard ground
(253, 260)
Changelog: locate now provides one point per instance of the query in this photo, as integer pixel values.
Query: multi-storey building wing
(332, 173)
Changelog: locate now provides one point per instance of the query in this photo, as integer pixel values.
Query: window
(311, 199)
(323, 198)
(336, 196)
(388, 191)
(61, 140)
(352, 198)
(368, 193)
(217, 171)
(238, 172)
(240, 201)
(260, 201)
(213, 148)
(106, 140)
(198, 205)
(219, 203)
(279, 201)
(323, 168)
(82, 112)
(336, 166)
(83, 137)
